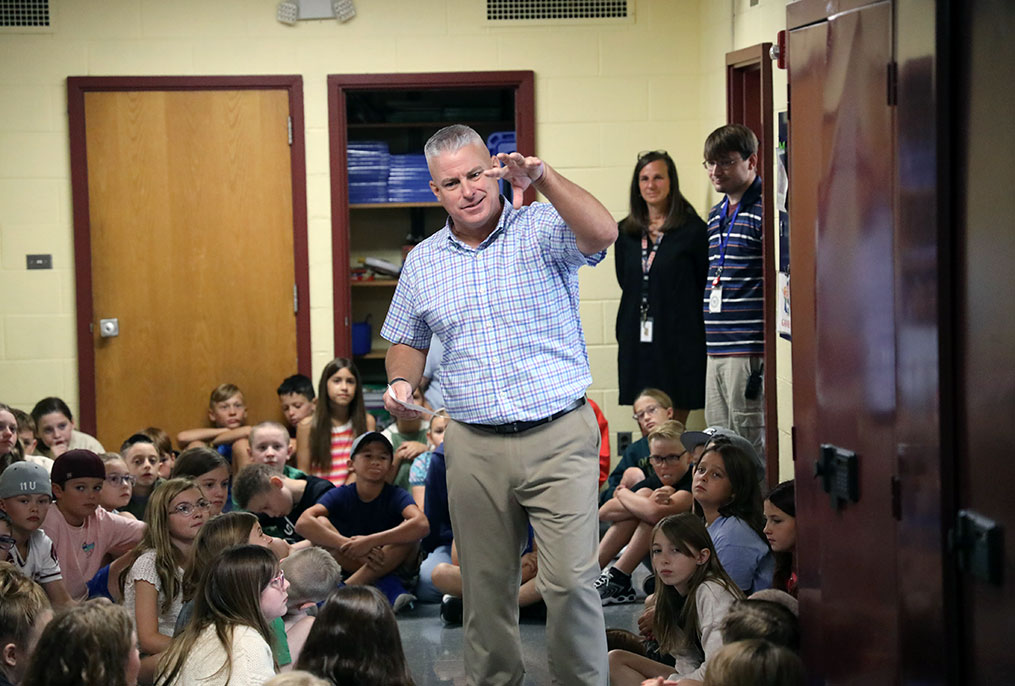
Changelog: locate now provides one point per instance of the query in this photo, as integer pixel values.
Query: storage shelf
(375, 283)
(390, 205)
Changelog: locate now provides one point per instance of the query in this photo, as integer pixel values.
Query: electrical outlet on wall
(623, 441)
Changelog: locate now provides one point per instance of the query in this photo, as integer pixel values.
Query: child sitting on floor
(24, 613)
(693, 595)
(228, 414)
(152, 582)
(24, 502)
(82, 532)
(119, 486)
(634, 511)
(372, 528)
(54, 427)
(358, 619)
(142, 459)
(312, 575)
(420, 466)
(409, 440)
(323, 444)
(277, 500)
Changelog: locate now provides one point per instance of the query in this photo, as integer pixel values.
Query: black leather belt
(519, 427)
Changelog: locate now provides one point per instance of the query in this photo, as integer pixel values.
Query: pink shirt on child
(82, 550)
(341, 445)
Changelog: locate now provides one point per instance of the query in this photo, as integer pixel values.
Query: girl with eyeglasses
(661, 259)
(221, 532)
(227, 640)
(119, 485)
(152, 581)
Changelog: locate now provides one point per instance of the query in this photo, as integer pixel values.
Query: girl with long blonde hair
(152, 581)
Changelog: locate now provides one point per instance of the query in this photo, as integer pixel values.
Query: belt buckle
(511, 428)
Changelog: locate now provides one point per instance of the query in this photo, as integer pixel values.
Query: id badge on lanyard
(645, 328)
(715, 295)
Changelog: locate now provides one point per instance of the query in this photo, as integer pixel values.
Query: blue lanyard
(725, 240)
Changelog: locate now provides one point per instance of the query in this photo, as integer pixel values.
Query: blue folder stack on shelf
(368, 166)
(409, 179)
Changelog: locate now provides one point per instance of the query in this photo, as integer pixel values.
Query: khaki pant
(725, 404)
(497, 485)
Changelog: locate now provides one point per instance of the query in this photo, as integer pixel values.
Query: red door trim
(753, 66)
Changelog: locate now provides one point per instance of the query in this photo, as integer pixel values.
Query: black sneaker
(613, 592)
(451, 609)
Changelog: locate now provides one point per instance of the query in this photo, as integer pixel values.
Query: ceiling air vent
(29, 16)
(554, 11)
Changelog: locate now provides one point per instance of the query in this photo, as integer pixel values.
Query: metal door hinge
(896, 487)
(296, 300)
(289, 128)
(977, 543)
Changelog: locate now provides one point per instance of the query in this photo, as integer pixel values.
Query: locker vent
(24, 15)
(555, 10)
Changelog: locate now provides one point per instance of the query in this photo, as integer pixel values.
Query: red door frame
(749, 102)
(77, 87)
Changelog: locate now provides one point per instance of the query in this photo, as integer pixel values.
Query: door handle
(109, 328)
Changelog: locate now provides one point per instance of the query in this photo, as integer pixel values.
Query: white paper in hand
(410, 406)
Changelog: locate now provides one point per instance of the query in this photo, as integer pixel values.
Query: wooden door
(844, 356)
(984, 328)
(190, 216)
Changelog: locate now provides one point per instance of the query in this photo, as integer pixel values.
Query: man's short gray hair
(450, 139)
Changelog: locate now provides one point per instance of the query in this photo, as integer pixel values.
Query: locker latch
(839, 472)
(978, 546)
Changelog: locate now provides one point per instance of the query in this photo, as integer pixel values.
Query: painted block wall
(604, 92)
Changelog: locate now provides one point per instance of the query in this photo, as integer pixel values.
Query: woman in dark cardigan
(660, 328)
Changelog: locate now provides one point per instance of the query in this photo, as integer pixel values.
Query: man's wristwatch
(400, 378)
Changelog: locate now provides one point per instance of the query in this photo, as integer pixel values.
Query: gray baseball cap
(24, 478)
(692, 439)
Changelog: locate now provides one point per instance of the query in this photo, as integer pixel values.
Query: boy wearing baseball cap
(82, 532)
(371, 527)
(24, 501)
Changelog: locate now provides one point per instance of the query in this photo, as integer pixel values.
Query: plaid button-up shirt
(506, 312)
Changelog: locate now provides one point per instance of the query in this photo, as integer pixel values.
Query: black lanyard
(647, 258)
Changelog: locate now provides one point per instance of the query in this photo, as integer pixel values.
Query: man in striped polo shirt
(734, 297)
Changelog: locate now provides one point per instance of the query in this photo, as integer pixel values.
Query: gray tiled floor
(434, 651)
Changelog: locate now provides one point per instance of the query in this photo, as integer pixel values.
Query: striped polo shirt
(739, 328)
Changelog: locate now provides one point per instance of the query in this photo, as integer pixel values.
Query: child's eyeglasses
(279, 581)
(117, 479)
(6, 542)
(666, 459)
(651, 409)
(188, 509)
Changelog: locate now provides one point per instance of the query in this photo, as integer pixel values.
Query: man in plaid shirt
(498, 285)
